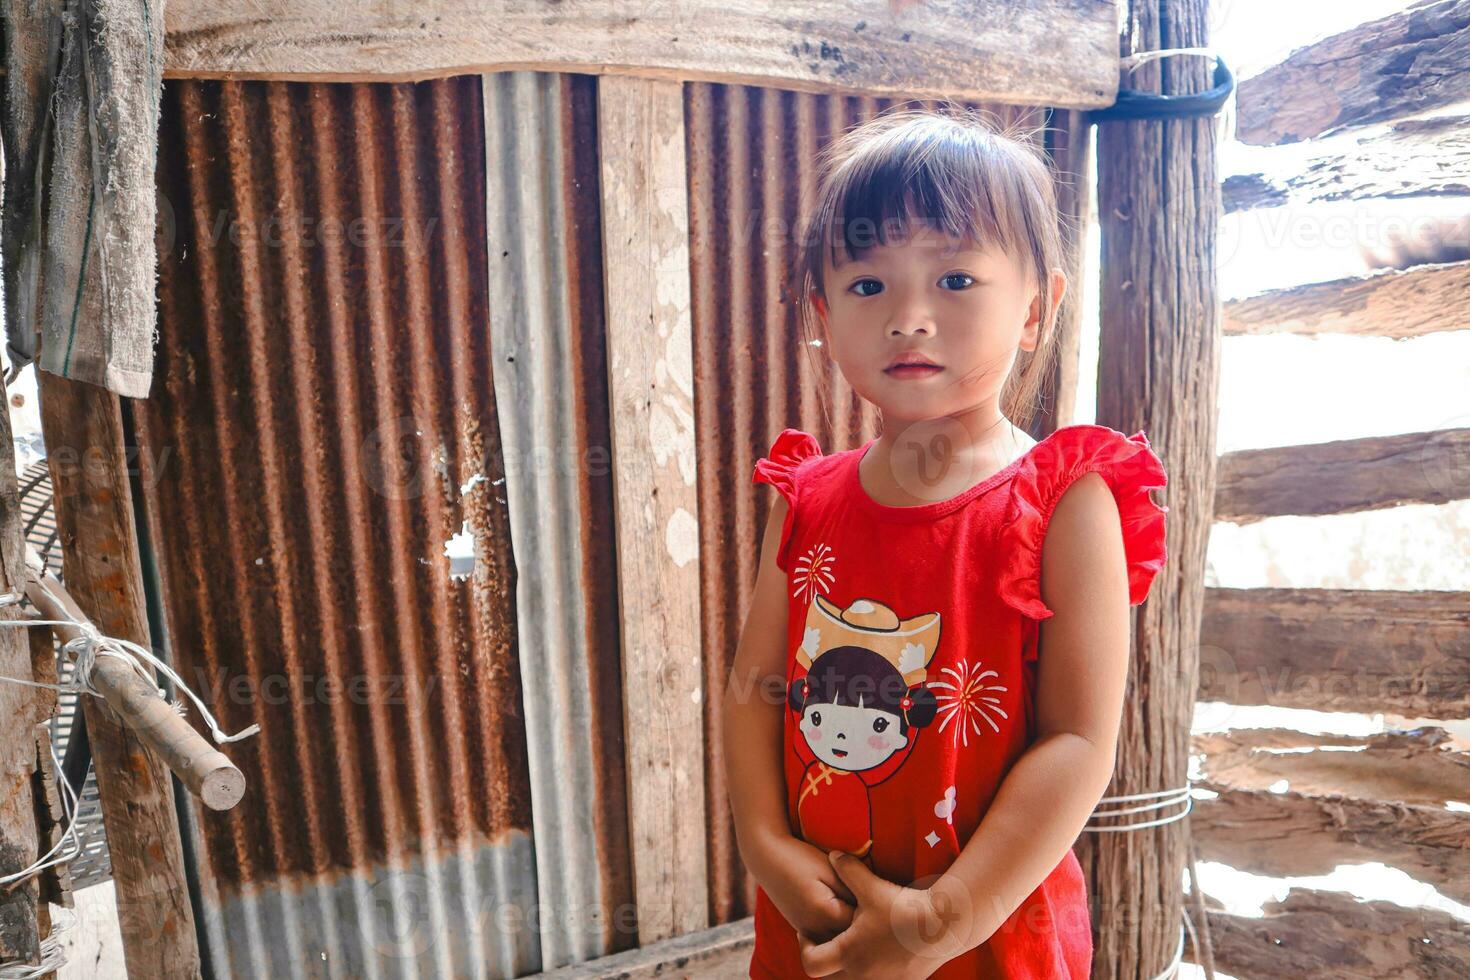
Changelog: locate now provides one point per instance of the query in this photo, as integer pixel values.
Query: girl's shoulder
(1131, 469)
(794, 459)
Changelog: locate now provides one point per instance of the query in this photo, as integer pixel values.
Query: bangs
(956, 181)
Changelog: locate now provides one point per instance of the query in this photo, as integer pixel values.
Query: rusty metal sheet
(551, 383)
(322, 426)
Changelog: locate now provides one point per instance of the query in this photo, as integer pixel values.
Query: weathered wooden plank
(721, 953)
(1410, 303)
(1376, 798)
(20, 930)
(1420, 766)
(645, 213)
(1069, 147)
(82, 425)
(1344, 477)
(1338, 650)
(1412, 157)
(1158, 203)
(1328, 934)
(55, 881)
(1399, 65)
(1021, 52)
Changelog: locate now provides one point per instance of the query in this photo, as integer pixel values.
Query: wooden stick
(207, 772)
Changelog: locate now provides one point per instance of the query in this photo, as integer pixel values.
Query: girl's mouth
(840, 753)
(910, 371)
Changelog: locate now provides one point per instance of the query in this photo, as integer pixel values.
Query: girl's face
(967, 311)
(851, 737)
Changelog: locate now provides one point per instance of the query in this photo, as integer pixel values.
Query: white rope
(83, 651)
(1172, 797)
(91, 644)
(70, 808)
(53, 956)
(1162, 800)
(1173, 967)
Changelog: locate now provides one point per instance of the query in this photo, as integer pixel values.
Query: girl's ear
(1036, 315)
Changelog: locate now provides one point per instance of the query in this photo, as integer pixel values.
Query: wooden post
(1067, 137)
(645, 221)
(20, 939)
(1158, 205)
(82, 425)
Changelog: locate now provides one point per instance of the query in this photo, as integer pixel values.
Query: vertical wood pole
(1067, 139)
(1158, 206)
(645, 222)
(82, 425)
(20, 939)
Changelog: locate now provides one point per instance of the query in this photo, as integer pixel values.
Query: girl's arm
(905, 933)
(795, 875)
(1048, 795)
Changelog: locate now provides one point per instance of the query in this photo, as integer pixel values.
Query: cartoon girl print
(861, 703)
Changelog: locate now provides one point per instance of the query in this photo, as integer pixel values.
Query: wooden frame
(1059, 53)
(645, 229)
(1025, 52)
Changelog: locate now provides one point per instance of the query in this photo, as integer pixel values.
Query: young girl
(944, 610)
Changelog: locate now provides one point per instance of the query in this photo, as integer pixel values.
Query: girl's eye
(880, 724)
(959, 275)
(817, 718)
(866, 282)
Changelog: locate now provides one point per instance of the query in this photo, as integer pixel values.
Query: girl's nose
(911, 319)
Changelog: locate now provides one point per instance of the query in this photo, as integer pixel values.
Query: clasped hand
(896, 932)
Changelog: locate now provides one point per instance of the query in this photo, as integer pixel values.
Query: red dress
(913, 634)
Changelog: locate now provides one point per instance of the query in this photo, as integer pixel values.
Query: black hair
(852, 674)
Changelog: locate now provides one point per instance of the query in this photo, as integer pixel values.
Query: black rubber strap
(1152, 105)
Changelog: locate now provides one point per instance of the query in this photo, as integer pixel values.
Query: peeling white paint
(671, 436)
(469, 484)
(462, 550)
(681, 537)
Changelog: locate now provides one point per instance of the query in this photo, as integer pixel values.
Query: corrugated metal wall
(356, 364)
(551, 379)
(752, 165)
(321, 405)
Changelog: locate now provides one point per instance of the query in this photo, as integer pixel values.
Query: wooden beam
(1068, 146)
(1410, 303)
(204, 770)
(1330, 934)
(645, 229)
(1420, 766)
(1397, 66)
(82, 426)
(720, 953)
(1159, 355)
(1020, 52)
(1338, 650)
(51, 823)
(1413, 157)
(1379, 798)
(1344, 477)
(20, 930)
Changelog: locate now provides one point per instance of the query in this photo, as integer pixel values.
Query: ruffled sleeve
(1131, 470)
(779, 468)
